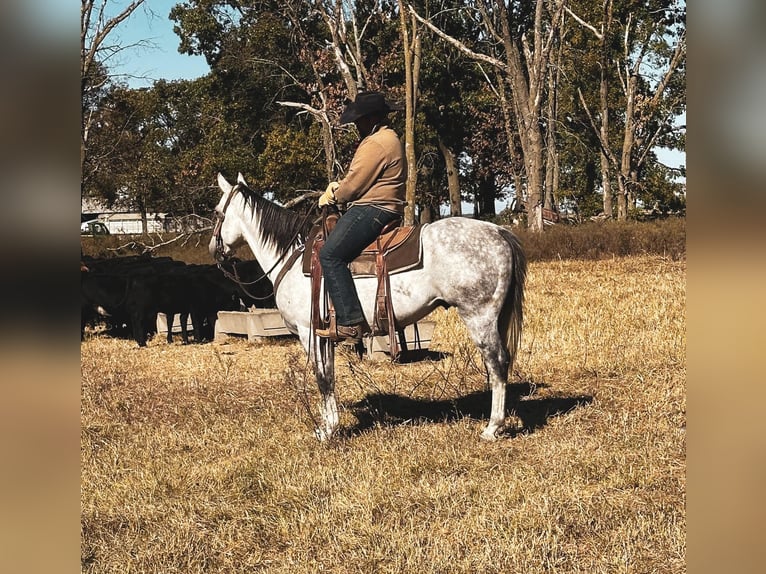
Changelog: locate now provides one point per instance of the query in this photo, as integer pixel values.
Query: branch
(285, 71)
(488, 80)
(583, 23)
(662, 126)
(321, 114)
(602, 143)
(311, 194)
(482, 8)
(557, 21)
(678, 53)
(457, 44)
(88, 53)
(650, 143)
(335, 22)
(145, 248)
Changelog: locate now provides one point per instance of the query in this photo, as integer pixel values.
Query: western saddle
(396, 249)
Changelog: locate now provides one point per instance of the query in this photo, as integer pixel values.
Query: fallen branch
(144, 248)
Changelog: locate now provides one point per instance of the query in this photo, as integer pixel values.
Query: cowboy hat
(366, 103)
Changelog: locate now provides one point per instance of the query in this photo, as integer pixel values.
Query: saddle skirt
(400, 246)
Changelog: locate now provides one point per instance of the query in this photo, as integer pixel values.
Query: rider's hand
(328, 197)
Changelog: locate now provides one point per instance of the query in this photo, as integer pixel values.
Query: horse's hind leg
(485, 335)
(496, 361)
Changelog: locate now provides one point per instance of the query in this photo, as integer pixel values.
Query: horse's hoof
(488, 436)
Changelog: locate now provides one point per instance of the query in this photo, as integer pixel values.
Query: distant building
(130, 223)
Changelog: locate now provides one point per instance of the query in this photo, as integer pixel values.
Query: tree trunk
(527, 96)
(510, 134)
(427, 214)
(534, 163)
(144, 219)
(550, 155)
(484, 204)
(627, 147)
(606, 185)
(329, 147)
(552, 112)
(453, 180)
(526, 83)
(409, 130)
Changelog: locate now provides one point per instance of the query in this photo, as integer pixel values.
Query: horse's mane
(279, 226)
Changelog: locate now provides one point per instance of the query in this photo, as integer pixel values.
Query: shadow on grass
(418, 355)
(391, 410)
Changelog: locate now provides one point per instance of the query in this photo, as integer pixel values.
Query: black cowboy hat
(366, 103)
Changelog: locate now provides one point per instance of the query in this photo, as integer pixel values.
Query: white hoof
(489, 435)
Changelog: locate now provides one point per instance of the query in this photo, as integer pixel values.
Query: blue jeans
(354, 231)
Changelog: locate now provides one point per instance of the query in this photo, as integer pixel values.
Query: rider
(374, 187)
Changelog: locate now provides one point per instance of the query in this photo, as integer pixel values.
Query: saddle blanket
(401, 249)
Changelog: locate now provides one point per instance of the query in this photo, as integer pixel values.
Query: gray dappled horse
(475, 266)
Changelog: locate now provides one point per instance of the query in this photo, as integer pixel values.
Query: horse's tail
(512, 313)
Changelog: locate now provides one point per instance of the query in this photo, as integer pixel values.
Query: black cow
(251, 283)
(112, 291)
(128, 292)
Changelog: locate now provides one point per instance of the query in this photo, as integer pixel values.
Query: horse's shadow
(391, 410)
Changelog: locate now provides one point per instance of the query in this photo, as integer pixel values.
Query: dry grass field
(201, 458)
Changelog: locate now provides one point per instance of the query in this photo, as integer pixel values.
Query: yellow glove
(328, 197)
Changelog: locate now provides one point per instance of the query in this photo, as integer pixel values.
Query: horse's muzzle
(217, 250)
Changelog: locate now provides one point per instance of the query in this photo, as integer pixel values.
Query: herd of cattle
(125, 294)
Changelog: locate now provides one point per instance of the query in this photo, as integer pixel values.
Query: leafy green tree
(289, 164)
(133, 175)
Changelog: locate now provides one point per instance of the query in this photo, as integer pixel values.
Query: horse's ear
(241, 179)
(223, 184)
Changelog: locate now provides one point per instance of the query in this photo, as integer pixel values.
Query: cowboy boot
(349, 334)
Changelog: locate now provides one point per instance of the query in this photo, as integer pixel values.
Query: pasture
(201, 458)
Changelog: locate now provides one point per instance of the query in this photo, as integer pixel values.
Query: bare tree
(524, 67)
(95, 30)
(346, 44)
(346, 41)
(602, 128)
(642, 106)
(640, 110)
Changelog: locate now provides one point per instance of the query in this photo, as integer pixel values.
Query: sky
(158, 58)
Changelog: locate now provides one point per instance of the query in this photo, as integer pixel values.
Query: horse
(475, 266)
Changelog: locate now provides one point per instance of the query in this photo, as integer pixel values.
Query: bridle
(220, 255)
(219, 217)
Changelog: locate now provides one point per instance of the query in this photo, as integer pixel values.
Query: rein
(220, 257)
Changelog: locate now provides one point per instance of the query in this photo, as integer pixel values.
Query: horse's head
(227, 232)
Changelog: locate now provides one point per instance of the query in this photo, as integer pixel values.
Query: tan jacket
(378, 173)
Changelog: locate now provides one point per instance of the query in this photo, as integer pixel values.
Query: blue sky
(158, 58)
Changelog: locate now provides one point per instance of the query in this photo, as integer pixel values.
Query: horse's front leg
(324, 369)
(322, 355)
